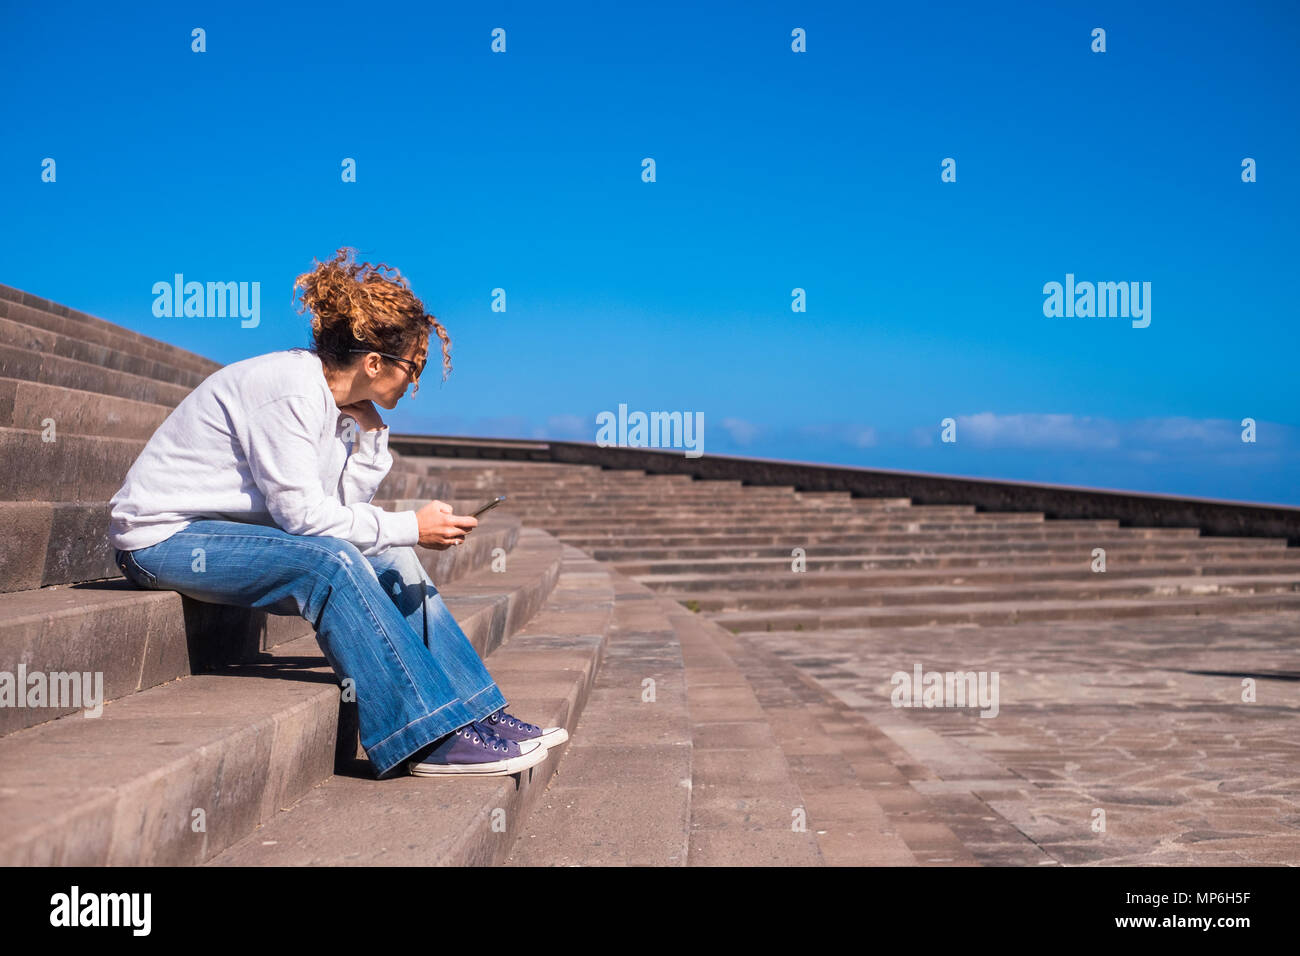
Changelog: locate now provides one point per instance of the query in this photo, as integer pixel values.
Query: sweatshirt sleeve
(367, 466)
(279, 440)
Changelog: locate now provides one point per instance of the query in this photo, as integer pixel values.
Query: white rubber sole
(534, 754)
(552, 736)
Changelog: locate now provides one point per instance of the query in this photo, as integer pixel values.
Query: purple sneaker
(520, 731)
(473, 749)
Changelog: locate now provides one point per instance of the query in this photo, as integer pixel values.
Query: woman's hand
(365, 414)
(440, 529)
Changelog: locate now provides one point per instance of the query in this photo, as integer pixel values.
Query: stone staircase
(713, 648)
(711, 546)
(795, 756)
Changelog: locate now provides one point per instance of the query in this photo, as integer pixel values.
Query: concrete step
(621, 510)
(172, 775)
(49, 369)
(685, 586)
(545, 671)
(707, 532)
(722, 518)
(1045, 547)
(78, 791)
(622, 796)
(1087, 586)
(73, 468)
(742, 509)
(610, 506)
(39, 340)
(34, 311)
(425, 487)
(746, 806)
(818, 538)
(50, 543)
(696, 776)
(673, 486)
(411, 485)
(138, 639)
(578, 524)
(634, 495)
(874, 562)
(30, 405)
(1011, 611)
(475, 471)
(491, 605)
(589, 489)
(502, 484)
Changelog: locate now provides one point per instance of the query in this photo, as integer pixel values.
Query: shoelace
(489, 739)
(501, 717)
(480, 734)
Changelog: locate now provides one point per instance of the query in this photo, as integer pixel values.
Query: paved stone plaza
(1143, 719)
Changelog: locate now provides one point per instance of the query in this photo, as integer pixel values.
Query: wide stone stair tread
(1116, 550)
(1089, 587)
(692, 582)
(26, 405)
(747, 808)
(622, 795)
(1011, 611)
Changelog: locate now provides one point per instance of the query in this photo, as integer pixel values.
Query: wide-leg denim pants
(379, 620)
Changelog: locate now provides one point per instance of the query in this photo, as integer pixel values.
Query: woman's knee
(344, 555)
(402, 576)
(409, 562)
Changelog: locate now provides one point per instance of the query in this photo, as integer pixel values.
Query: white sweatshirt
(261, 441)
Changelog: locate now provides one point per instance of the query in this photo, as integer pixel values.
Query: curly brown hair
(355, 305)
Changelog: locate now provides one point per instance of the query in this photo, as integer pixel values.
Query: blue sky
(775, 171)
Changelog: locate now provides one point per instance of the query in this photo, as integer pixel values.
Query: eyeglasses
(415, 368)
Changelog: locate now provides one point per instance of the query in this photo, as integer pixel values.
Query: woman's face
(390, 385)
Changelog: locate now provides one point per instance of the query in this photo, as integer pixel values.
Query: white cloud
(1208, 432)
(741, 432)
(859, 436)
(570, 427)
(1038, 431)
(1047, 431)
(863, 436)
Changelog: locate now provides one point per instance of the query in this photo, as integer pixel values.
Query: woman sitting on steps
(247, 495)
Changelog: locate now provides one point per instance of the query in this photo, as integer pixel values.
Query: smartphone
(489, 506)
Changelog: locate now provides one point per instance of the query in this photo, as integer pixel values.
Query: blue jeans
(379, 620)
